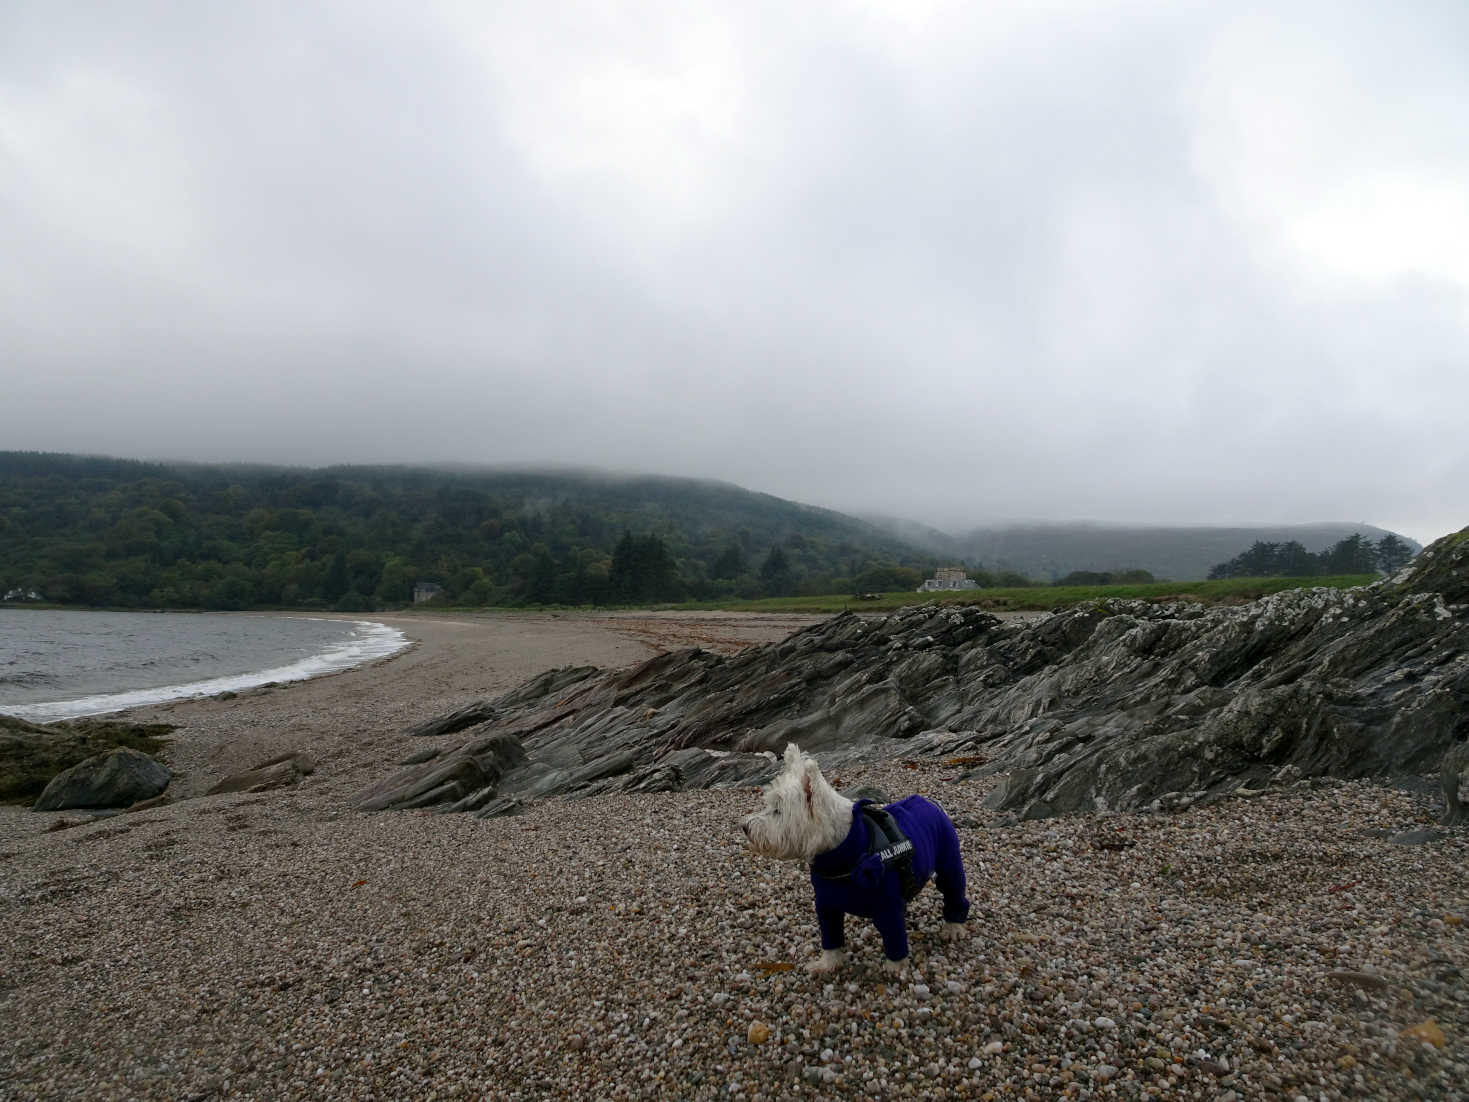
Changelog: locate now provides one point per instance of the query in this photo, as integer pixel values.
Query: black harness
(890, 845)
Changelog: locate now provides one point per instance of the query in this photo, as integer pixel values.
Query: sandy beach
(279, 945)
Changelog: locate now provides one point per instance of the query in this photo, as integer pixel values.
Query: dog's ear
(810, 774)
(793, 757)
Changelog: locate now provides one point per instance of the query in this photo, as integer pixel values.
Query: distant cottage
(23, 595)
(948, 577)
(426, 591)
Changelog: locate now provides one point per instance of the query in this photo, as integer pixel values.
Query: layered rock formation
(1114, 704)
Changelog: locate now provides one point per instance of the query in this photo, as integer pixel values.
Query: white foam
(369, 640)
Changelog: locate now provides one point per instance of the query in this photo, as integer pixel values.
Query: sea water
(64, 664)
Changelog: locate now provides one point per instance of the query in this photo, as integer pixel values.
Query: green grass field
(1046, 598)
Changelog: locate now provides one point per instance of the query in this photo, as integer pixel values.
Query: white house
(948, 577)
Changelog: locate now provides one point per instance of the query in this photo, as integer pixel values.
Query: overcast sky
(1127, 261)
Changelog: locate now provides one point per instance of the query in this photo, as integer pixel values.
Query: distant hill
(1049, 551)
(98, 531)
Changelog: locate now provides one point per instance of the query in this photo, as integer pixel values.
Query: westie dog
(865, 860)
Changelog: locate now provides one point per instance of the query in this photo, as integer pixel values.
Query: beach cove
(279, 944)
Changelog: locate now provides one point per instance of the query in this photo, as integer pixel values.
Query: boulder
(31, 754)
(117, 778)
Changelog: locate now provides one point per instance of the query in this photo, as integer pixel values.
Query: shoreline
(349, 719)
(320, 664)
(278, 945)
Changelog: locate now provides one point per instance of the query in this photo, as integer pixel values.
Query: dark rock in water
(115, 779)
(1111, 704)
(277, 772)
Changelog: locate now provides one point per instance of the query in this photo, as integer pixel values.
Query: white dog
(865, 860)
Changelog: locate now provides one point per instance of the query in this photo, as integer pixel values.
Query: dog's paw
(829, 961)
(953, 931)
(895, 967)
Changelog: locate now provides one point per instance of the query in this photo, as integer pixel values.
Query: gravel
(276, 946)
(1307, 943)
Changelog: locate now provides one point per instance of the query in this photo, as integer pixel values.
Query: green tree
(642, 570)
(396, 580)
(1393, 554)
(338, 579)
(776, 575)
(730, 564)
(1353, 555)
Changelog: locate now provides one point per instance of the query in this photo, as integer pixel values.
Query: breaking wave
(367, 642)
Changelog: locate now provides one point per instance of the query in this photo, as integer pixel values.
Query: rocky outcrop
(462, 778)
(1113, 704)
(277, 772)
(115, 779)
(31, 754)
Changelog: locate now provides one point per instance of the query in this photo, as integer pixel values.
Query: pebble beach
(1309, 942)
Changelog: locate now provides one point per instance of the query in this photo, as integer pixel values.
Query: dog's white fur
(805, 816)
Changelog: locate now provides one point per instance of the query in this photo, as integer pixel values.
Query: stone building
(426, 591)
(948, 577)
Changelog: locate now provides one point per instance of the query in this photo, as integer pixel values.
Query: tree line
(119, 533)
(1354, 555)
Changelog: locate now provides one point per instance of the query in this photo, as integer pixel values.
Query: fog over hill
(123, 533)
(1047, 551)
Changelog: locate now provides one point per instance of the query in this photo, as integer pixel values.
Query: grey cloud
(1004, 265)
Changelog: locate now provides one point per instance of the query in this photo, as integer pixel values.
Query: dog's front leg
(893, 926)
(833, 923)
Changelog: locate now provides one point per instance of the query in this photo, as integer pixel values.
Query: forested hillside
(81, 530)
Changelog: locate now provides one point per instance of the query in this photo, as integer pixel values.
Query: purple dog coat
(849, 879)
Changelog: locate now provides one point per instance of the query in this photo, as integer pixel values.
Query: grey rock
(117, 778)
(1113, 704)
(471, 715)
(447, 779)
(498, 808)
(1417, 837)
(277, 772)
(1367, 981)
